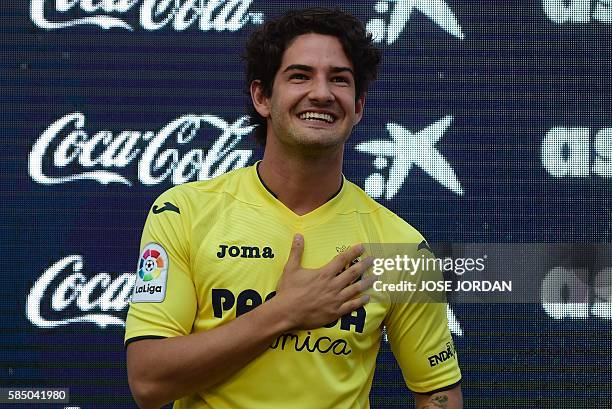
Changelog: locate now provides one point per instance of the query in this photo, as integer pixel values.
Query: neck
(302, 183)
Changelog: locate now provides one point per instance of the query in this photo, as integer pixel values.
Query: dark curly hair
(265, 48)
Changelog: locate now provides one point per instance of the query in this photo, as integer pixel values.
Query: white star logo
(436, 10)
(405, 150)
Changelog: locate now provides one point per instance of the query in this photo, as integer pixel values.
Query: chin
(319, 139)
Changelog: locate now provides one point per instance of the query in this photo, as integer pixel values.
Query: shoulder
(395, 228)
(199, 203)
(192, 193)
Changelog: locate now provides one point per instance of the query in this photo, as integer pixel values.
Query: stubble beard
(307, 142)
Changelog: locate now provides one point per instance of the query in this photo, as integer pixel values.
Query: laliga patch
(152, 274)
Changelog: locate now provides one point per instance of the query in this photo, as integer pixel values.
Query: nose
(321, 92)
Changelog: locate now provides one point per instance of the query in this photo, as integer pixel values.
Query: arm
(160, 371)
(423, 346)
(450, 399)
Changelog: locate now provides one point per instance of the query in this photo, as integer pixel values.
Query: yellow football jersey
(212, 250)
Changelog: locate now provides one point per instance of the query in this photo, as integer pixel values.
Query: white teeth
(317, 116)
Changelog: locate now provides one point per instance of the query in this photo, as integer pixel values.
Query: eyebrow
(308, 68)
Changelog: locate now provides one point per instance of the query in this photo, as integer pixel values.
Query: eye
(298, 76)
(341, 80)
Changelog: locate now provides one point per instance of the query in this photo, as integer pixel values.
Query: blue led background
(502, 111)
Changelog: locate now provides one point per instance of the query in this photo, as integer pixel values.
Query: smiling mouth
(317, 117)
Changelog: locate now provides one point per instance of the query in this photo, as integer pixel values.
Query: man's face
(313, 96)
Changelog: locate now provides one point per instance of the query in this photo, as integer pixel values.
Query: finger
(354, 272)
(339, 263)
(357, 288)
(353, 304)
(295, 255)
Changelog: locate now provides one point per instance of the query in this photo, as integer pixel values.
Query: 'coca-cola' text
(101, 155)
(206, 15)
(67, 290)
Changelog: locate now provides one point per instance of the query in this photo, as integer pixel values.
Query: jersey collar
(321, 213)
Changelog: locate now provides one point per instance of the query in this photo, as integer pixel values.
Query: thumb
(295, 255)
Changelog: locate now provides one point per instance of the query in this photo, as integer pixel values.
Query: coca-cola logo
(206, 15)
(62, 289)
(65, 144)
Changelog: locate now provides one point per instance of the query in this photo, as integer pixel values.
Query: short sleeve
(422, 344)
(163, 302)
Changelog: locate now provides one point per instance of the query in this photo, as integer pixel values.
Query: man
(247, 294)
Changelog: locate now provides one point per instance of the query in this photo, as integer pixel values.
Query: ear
(260, 101)
(359, 105)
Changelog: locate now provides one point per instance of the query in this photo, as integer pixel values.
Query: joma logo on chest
(244, 251)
